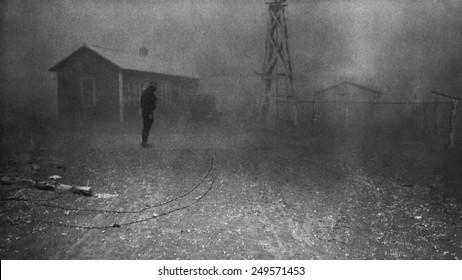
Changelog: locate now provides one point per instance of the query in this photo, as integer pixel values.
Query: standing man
(148, 105)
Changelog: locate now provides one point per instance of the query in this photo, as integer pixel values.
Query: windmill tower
(277, 100)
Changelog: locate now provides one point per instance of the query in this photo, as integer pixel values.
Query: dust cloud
(402, 48)
(377, 40)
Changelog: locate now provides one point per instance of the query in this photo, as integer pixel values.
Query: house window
(162, 93)
(134, 93)
(138, 90)
(131, 91)
(130, 87)
(87, 91)
(165, 93)
(144, 86)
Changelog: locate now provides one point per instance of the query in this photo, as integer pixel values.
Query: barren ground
(204, 192)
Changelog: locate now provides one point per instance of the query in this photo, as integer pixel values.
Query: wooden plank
(50, 185)
(122, 102)
(452, 132)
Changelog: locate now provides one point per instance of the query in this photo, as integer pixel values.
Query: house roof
(129, 61)
(377, 92)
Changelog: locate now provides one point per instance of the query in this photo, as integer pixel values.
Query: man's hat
(153, 84)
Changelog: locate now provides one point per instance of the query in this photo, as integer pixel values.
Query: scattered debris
(105, 195)
(55, 178)
(50, 185)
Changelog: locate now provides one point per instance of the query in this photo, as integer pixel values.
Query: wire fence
(425, 120)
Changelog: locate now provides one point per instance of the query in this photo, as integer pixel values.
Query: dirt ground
(205, 192)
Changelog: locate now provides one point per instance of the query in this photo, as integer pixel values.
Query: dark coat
(148, 100)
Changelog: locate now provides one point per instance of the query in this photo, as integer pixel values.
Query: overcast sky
(404, 46)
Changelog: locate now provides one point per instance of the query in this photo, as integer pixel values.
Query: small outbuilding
(346, 104)
(97, 83)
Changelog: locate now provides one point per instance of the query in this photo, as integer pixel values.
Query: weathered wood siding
(346, 106)
(91, 87)
(105, 76)
(173, 93)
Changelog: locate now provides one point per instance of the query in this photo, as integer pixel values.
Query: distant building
(346, 104)
(96, 83)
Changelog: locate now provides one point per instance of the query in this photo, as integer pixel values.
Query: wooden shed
(97, 83)
(346, 104)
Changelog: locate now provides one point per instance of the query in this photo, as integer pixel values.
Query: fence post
(453, 123)
(426, 117)
(436, 120)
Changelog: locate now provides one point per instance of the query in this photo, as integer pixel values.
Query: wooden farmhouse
(96, 83)
(345, 105)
